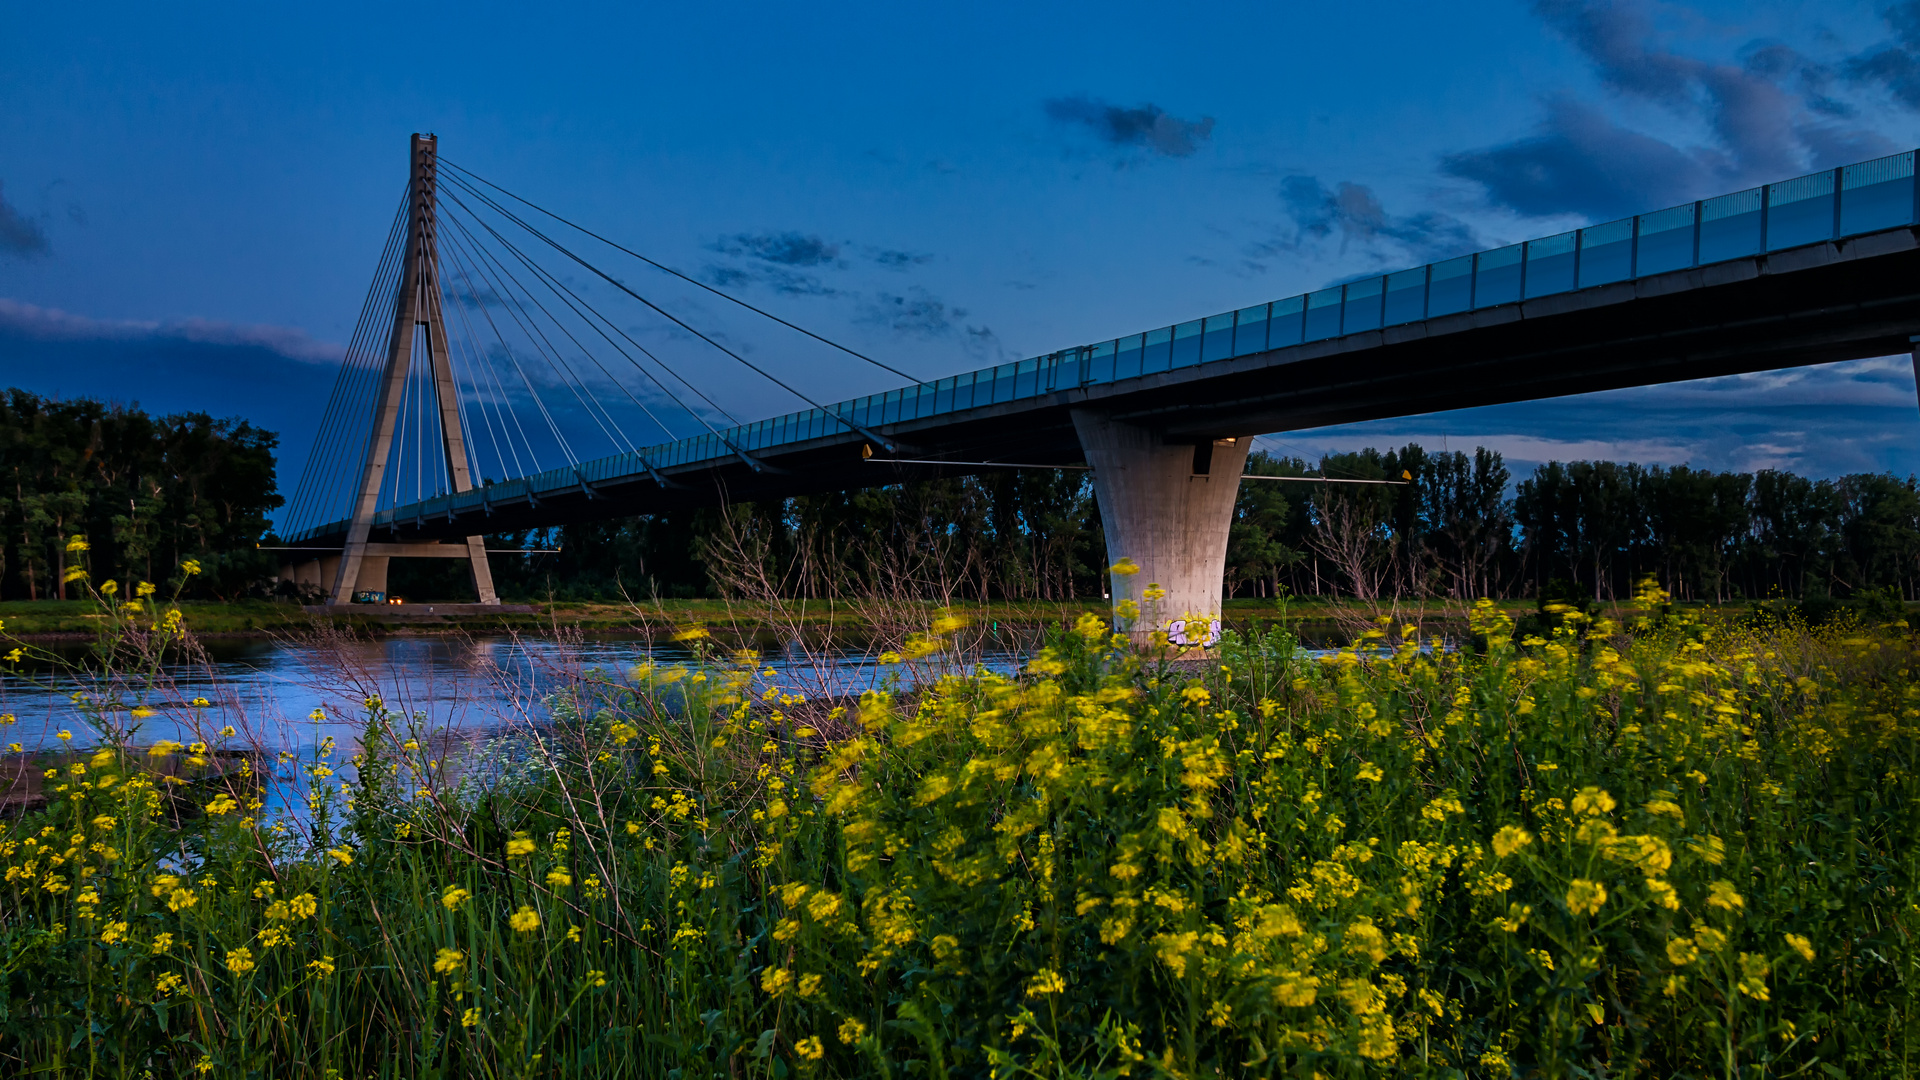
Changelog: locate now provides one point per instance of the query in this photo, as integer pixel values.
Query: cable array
(556, 357)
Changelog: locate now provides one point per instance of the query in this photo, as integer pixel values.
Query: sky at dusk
(193, 199)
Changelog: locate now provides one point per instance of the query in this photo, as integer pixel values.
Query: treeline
(1449, 524)
(146, 492)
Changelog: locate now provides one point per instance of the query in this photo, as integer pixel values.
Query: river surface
(268, 691)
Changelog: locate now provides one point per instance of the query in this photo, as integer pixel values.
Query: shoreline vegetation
(1671, 842)
(1316, 619)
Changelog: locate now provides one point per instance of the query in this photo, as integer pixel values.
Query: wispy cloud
(791, 262)
(1146, 126)
(896, 260)
(919, 314)
(781, 248)
(19, 234)
(52, 324)
(1350, 217)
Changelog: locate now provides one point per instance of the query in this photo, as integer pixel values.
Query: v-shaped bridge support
(363, 566)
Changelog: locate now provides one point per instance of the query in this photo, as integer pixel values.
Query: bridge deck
(1820, 268)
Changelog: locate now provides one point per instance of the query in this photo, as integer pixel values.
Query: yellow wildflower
(1585, 897)
(524, 920)
(1509, 839)
(1046, 981)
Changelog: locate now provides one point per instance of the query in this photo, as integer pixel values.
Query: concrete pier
(1167, 506)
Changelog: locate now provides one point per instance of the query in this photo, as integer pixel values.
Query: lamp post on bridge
(363, 565)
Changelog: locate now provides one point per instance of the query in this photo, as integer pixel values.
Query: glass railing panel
(1157, 351)
(1250, 330)
(1550, 264)
(1877, 194)
(1800, 211)
(1006, 382)
(1186, 344)
(1730, 226)
(1363, 305)
(891, 406)
(1450, 286)
(1100, 361)
(1496, 276)
(1323, 314)
(1026, 381)
(1406, 297)
(1126, 356)
(1606, 253)
(1216, 341)
(1286, 322)
(1665, 241)
(943, 395)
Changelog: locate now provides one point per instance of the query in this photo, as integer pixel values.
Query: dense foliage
(147, 492)
(1670, 849)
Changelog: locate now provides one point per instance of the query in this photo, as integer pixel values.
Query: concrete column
(1914, 344)
(373, 576)
(1168, 507)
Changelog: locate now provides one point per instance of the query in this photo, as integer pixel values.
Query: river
(267, 691)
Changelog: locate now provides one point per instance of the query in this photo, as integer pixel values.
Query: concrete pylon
(1167, 506)
(363, 564)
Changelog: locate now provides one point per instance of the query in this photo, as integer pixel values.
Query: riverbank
(1313, 619)
(74, 619)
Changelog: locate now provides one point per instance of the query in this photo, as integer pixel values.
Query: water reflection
(269, 692)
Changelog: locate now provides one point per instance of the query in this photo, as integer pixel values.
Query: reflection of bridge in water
(1819, 268)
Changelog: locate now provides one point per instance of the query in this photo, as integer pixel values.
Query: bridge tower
(363, 564)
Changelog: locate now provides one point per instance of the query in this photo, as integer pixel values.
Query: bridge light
(866, 451)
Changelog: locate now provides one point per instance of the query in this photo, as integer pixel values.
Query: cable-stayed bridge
(499, 340)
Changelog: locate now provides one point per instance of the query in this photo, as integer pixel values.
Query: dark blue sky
(191, 204)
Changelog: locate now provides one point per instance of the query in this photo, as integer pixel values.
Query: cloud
(1824, 420)
(1147, 126)
(778, 278)
(920, 314)
(781, 261)
(23, 320)
(19, 234)
(1583, 163)
(897, 260)
(1766, 117)
(274, 377)
(1356, 214)
(782, 248)
(1893, 65)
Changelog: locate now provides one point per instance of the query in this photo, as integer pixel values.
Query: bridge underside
(1831, 301)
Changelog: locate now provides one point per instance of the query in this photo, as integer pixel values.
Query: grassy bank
(262, 618)
(1678, 848)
